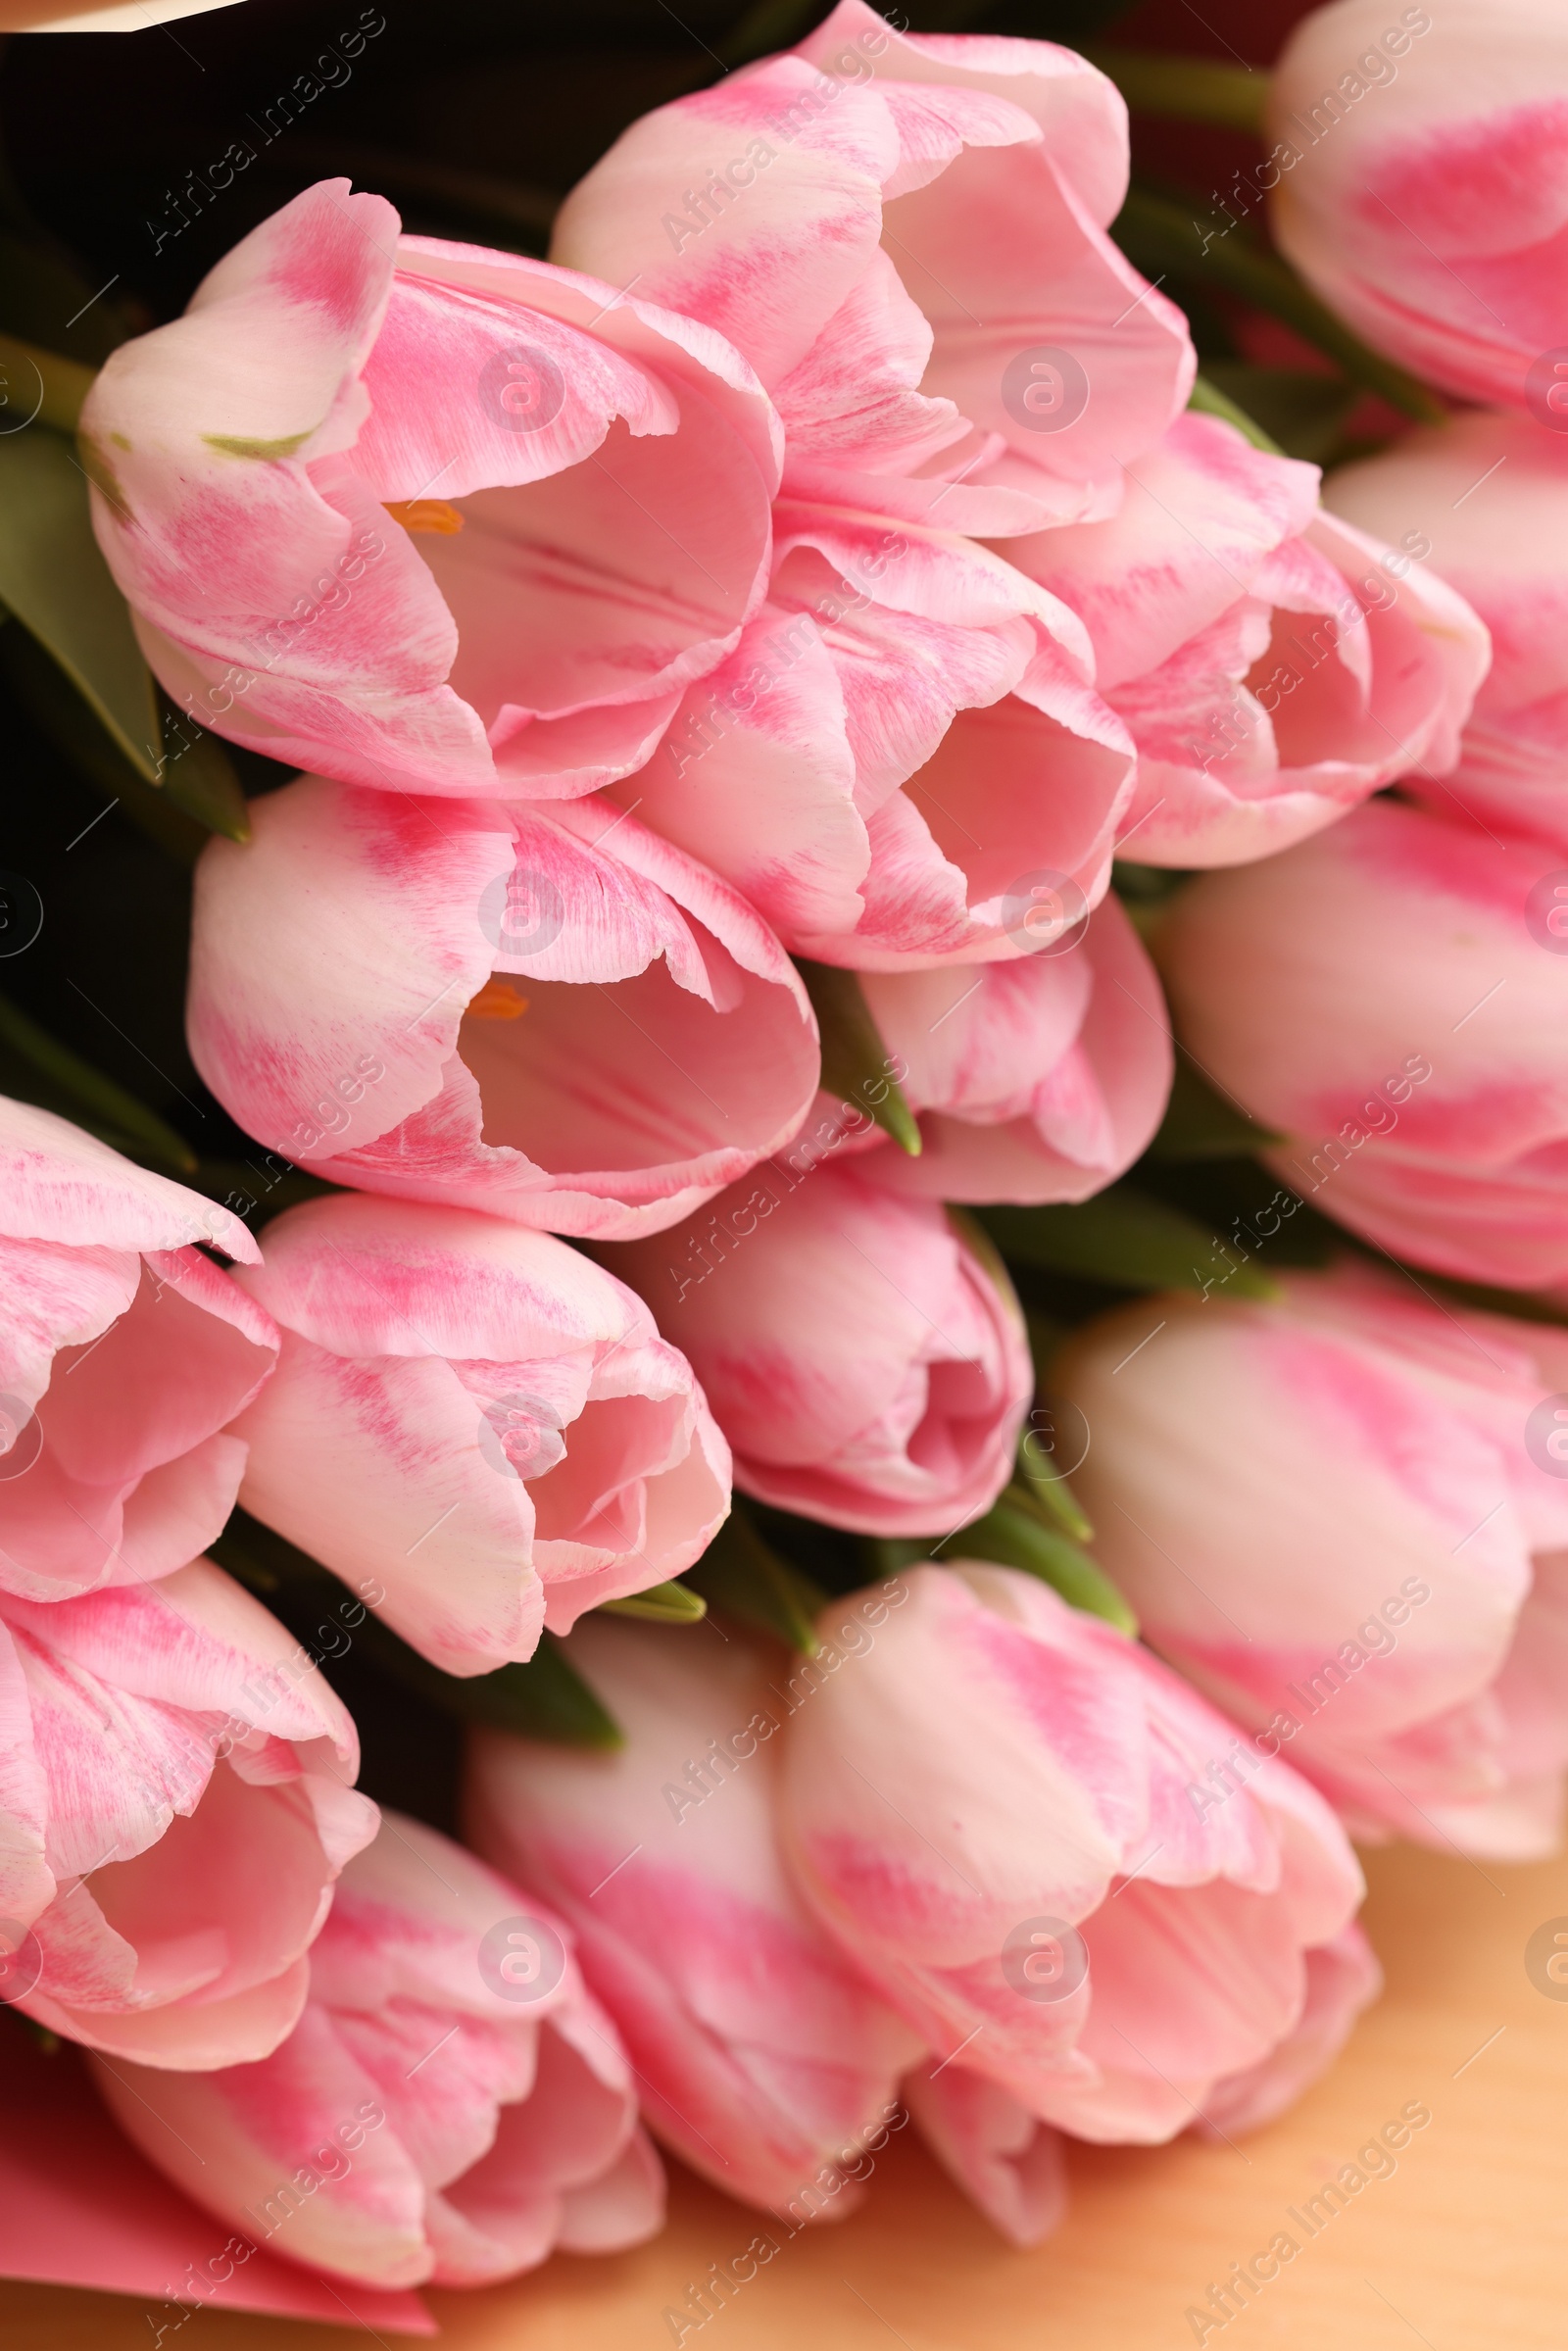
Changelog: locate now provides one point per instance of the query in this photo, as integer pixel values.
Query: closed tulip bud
(1484, 501)
(1345, 1516)
(1419, 188)
(991, 1812)
(865, 1359)
(764, 2058)
(452, 2105)
(1390, 996)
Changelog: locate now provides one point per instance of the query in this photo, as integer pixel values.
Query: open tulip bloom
(124, 1350)
(476, 1420)
(467, 522)
(556, 1017)
(452, 2104)
(835, 804)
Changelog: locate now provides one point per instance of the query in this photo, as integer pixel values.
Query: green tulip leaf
(744, 1577)
(1202, 1123)
(855, 1064)
(661, 1605)
(1125, 1236)
(71, 1087)
(544, 1698)
(56, 582)
(1013, 1536)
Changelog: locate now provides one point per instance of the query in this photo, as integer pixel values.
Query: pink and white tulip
(907, 241)
(124, 1352)
(176, 1801)
(992, 1813)
(1274, 666)
(1420, 186)
(477, 1419)
(764, 2057)
(432, 2116)
(905, 214)
(1486, 498)
(1007, 2162)
(905, 741)
(352, 1004)
(1390, 996)
(867, 1364)
(1041, 1080)
(427, 518)
(1363, 1494)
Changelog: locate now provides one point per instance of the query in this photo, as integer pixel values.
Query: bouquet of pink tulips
(866, 1242)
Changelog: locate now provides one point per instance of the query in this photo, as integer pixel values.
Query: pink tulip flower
(1344, 1517)
(1419, 185)
(884, 224)
(1041, 1080)
(124, 1351)
(991, 1812)
(176, 1801)
(353, 1002)
(1006, 2162)
(451, 2106)
(764, 2057)
(866, 1362)
(1274, 666)
(426, 518)
(1486, 499)
(892, 783)
(1390, 996)
(479, 1419)
(904, 236)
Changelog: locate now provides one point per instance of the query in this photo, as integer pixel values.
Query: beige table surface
(1465, 2248)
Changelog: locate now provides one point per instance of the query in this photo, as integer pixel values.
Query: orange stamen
(426, 514)
(498, 999)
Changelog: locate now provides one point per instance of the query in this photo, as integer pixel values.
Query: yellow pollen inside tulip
(426, 514)
(498, 999)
